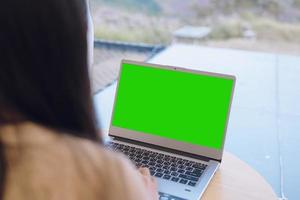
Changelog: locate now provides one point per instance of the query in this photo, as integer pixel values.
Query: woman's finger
(144, 171)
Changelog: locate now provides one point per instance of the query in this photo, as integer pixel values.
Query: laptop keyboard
(163, 166)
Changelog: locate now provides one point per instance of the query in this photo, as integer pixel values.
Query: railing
(126, 46)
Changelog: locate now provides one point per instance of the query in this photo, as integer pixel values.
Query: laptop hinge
(186, 154)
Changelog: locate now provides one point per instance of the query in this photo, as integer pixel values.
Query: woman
(49, 146)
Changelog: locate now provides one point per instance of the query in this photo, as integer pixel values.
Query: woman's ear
(90, 37)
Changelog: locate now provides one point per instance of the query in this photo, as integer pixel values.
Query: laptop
(173, 121)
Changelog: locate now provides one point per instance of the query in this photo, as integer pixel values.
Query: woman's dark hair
(43, 68)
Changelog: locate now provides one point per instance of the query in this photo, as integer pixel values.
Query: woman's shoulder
(58, 162)
(92, 153)
(109, 173)
(121, 179)
(39, 141)
(33, 136)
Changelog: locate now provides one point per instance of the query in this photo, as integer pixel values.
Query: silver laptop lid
(172, 107)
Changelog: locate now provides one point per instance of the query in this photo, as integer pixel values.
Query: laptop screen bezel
(165, 142)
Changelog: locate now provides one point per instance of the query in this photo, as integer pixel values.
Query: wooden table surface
(237, 180)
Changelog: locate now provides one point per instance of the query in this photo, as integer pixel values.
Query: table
(237, 180)
(265, 116)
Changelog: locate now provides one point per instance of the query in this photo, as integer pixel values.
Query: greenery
(273, 31)
(226, 30)
(297, 3)
(147, 6)
(146, 35)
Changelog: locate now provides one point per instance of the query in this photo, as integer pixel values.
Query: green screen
(182, 106)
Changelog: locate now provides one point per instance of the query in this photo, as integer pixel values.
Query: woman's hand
(150, 183)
